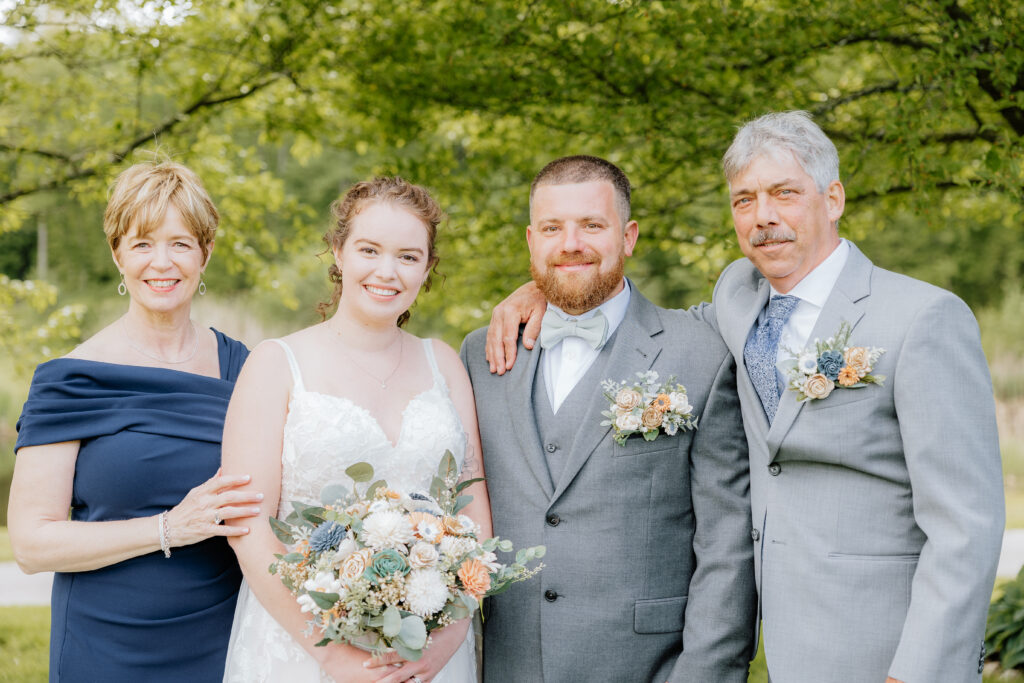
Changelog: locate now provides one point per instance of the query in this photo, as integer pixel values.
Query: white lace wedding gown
(323, 435)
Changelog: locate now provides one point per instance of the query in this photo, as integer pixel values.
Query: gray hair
(781, 133)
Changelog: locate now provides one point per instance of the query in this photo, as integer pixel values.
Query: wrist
(164, 535)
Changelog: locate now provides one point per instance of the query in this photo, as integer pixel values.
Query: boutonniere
(814, 372)
(646, 407)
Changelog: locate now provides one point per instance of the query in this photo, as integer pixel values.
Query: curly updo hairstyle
(397, 192)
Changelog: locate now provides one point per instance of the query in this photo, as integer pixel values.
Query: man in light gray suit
(649, 571)
(877, 510)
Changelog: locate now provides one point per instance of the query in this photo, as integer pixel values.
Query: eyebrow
(378, 245)
(583, 219)
(773, 186)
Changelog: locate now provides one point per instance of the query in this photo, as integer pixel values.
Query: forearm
(69, 546)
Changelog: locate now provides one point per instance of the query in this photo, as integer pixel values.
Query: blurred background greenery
(279, 105)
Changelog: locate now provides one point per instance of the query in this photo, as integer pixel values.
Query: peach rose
(848, 377)
(355, 564)
(453, 526)
(627, 399)
(818, 386)
(859, 359)
(651, 419)
(475, 577)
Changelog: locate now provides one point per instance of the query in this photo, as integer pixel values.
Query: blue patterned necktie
(554, 328)
(761, 350)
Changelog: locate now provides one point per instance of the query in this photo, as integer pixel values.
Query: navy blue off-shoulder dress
(148, 436)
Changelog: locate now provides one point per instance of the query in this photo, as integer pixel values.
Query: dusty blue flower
(327, 537)
(830, 363)
(385, 563)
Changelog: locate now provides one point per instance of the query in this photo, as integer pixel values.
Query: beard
(577, 293)
(779, 234)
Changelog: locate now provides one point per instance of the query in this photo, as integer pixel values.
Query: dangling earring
(202, 287)
(122, 288)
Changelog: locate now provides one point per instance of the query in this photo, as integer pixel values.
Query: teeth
(380, 292)
(161, 283)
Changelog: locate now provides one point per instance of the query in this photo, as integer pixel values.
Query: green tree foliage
(279, 104)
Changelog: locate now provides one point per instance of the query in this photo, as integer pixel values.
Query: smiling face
(162, 268)
(785, 226)
(578, 244)
(383, 262)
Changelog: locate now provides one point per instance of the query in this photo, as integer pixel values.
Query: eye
(593, 226)
(410, 258)
(742, 201)
(550, 228)
(367, 250)
(141, 244)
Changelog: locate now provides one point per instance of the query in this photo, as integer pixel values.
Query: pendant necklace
(383, 382)
(147, 354)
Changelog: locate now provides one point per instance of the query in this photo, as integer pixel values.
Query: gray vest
(558, 432)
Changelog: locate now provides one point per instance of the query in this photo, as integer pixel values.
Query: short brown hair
(387, 190)
(140, 196)
(582, 168)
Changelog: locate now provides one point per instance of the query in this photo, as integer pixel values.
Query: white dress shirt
(566, 362)
(813, 291)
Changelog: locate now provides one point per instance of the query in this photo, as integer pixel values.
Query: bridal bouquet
(382, 569)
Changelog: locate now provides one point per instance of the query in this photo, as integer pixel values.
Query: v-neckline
(376, 423)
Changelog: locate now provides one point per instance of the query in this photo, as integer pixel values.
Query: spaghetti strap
(292, 363)
(428, 348)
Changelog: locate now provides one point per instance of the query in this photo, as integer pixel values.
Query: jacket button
(550, 595)
(554, 520)
(755, 534)
(774, 469)
(551, 448)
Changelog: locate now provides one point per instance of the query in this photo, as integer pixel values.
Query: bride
(354, 388)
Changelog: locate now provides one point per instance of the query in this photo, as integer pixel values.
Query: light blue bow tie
(554, 328)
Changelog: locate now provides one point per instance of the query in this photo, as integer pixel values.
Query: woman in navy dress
(125, 433)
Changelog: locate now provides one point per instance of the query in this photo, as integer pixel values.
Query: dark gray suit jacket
(649, 571)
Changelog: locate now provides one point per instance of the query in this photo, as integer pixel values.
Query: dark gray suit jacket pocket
(662, 615)
(636, 445)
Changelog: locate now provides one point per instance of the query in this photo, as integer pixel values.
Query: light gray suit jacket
(649, 571)
(879, 510)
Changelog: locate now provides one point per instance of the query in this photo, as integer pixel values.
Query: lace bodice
(324, 434)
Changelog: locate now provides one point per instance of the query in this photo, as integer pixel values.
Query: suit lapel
(519, 399)
(845, 304)
(633, 350)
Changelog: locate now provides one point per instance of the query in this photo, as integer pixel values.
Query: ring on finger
(216, 517)
(416, 679)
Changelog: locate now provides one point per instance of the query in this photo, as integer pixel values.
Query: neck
(362, 335)
(161, 330)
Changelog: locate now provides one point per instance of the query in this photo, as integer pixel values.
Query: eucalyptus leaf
(380, 483)
(333, 494)
(391, 622)
(461, 502)
(463, 485)
(315, 515)
(448, 467)
(360, 472)
(323, 600)
(282, 531)
(292, 558)
(405, 652)
(413, 632)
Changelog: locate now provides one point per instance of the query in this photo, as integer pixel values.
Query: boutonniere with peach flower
(831, 364)
(647, 408)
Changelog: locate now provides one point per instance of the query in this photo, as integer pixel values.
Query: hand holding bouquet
(382, 569)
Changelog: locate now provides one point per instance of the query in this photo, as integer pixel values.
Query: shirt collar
(614, 309)
(817, 285)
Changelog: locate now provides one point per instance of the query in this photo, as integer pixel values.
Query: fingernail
(246, 477)
(259, 496)
(255, 511)
(528, 340)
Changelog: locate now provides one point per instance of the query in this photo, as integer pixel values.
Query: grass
(24, 640)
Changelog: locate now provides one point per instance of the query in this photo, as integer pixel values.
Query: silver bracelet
(165, 544)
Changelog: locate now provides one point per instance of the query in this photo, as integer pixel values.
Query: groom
(877, 510)
(649, 572)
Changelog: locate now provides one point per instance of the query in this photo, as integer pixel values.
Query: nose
(571, 241)
(766, 215)
(386, 267)
(161, 256)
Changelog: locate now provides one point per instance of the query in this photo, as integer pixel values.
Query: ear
(835, 197)
(337, 256)
(209, 253)
(113, 256)
(529, 238)
(631, 234)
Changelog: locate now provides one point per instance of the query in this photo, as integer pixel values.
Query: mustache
(574, 258)
(772, 235)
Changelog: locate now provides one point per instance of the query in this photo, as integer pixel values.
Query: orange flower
(848, 377)
(662, 402)
(422, 523)
(475, 577)
(453, 526)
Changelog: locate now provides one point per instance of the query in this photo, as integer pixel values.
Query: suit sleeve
(720, 624)
(946, 412)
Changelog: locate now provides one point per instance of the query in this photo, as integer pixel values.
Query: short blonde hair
(140, 196)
